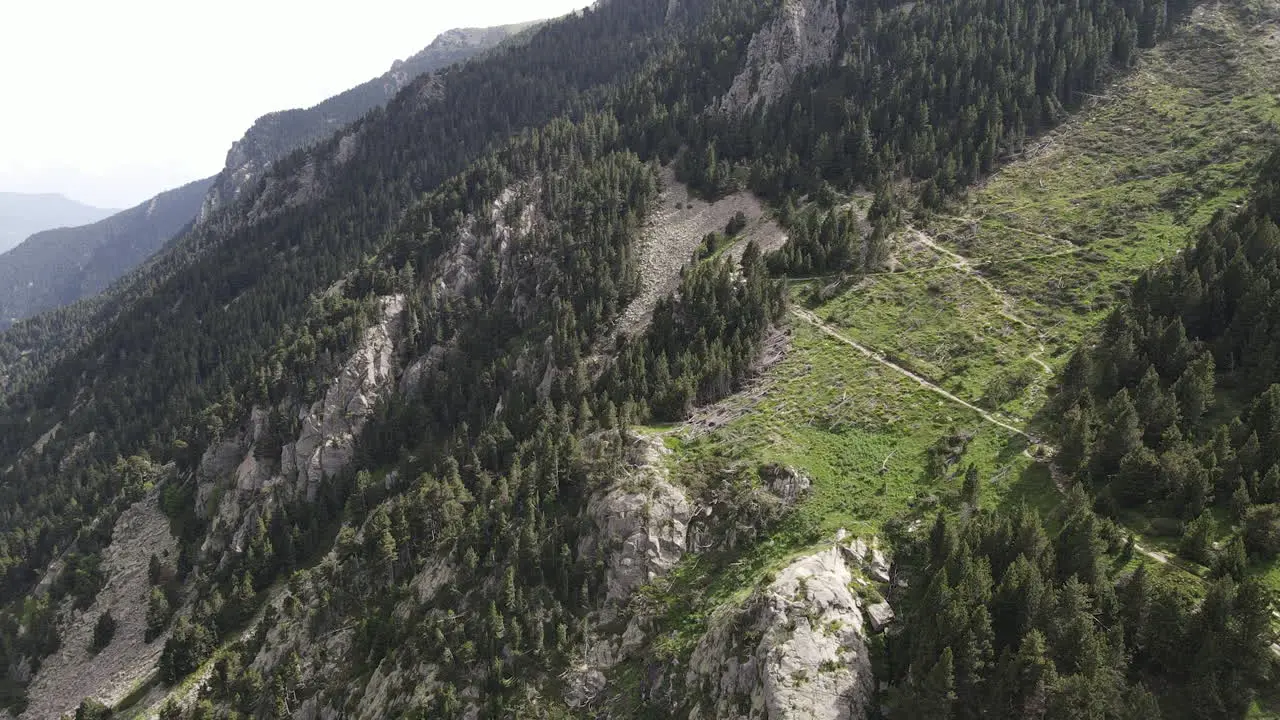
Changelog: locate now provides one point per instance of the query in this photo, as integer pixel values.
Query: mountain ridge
(277, 133)
(53, 269)
(23, 214)
(57, 267)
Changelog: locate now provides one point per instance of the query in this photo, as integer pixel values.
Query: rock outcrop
(804, 35)
(796, 649)
(332, 424)
(641, 525)
(238, 486)
(644, 525)
(641, 521)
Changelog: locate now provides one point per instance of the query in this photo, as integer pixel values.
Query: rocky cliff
(641, 521)
(796, 649)
(236, 487)
(804, 35)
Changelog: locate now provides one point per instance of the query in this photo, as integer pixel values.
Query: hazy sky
(112, 102)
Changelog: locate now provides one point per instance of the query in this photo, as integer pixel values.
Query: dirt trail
(886, 362)
(963, 263)
(1035, 358)
(1058, 482)
(1006, 304)
(1071, 247)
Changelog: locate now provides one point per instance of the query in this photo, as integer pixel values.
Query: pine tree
(1077, 439)
(1032, 677)
(1195, 389)
(971, 490)
(1121, 437)
(1232, 562)
(1195, 543)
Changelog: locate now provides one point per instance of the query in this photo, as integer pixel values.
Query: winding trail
(972, 265)
(963, 263)
(1035, 358)
(1013, 228)
(817, 322)
(1006, 304)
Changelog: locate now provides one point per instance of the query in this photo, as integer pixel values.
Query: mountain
(275, 135)
(22, 214)
(693, 359)
(57, 268)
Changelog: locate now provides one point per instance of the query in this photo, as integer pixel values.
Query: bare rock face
(641, 521)
(73, 672)
(796, 649)
(867, 556)
(644, 527)
(787, 483)
(512, 215)
(804, 35)
(326, 443)
(880, 615)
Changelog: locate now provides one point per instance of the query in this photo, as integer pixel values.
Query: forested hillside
(411, 463)
(178, 335)
(22, 214)
(1172, 413)
(79, 261)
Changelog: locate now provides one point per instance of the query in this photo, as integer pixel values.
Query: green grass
(1130, 180)
(948, 327)
(861, 431)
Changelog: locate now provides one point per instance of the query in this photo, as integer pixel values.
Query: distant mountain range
(23, 214)
(87, 252)
(58, 267)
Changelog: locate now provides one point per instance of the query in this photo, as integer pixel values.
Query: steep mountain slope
(318, 212)
(276, 135)
(22, 214)
(58, 267)
(428, 441)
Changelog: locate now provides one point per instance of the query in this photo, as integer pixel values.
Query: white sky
(111, 102)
